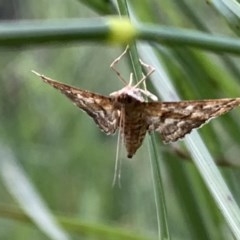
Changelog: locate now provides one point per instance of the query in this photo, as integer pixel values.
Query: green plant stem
(161, 211)
(101, 29)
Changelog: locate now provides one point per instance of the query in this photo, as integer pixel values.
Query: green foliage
(71, 163)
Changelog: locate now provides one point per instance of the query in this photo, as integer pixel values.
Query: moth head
(130, 92)
(127, 94)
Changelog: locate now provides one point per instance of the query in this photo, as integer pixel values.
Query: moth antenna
(118, 162)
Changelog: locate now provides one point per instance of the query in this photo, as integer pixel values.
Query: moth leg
(150, 70)
(115, 62)
(149, 94)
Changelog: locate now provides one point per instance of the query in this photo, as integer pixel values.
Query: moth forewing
(97, 106)
(173, 120)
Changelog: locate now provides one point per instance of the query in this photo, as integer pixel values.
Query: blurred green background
(71, 162)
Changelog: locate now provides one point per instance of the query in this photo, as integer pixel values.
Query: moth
(128, 110)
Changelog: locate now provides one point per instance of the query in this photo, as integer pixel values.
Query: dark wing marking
(173, 120)
(99, 107)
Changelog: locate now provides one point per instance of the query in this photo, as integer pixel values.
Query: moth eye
(124, 99)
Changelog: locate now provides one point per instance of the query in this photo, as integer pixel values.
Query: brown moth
(128, 111)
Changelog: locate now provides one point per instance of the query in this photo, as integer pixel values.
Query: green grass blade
(100, 6)
(23, 191)
(161, 208)
(230, 10)
(75, 226)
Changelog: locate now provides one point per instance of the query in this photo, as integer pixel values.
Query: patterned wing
(99, 107)
(173, 120)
